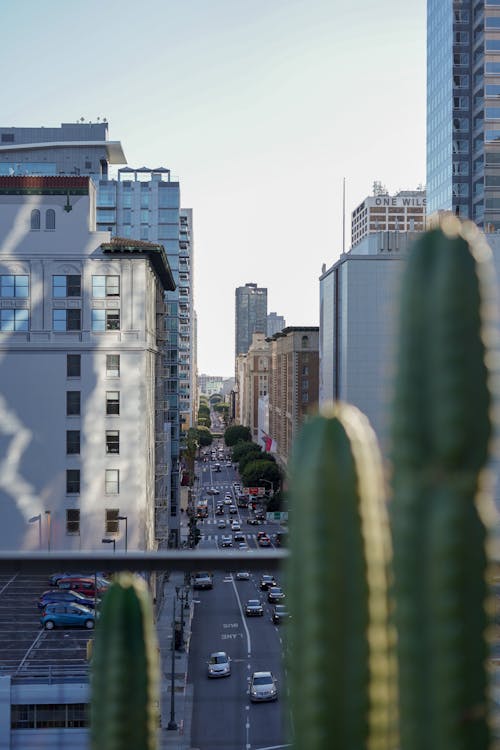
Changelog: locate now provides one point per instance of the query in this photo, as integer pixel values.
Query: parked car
(254, 608)
(203, 580)
(85, 586)
(70, 597)
(63, 615)
(263, 687)
(219, 664)
(275, 594)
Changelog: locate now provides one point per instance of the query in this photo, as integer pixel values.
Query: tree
(242, 448)
(248, 457)
(255, 471)
(203, 411)
(215, 398)
(204, 436)
(204, 422)
(235, 433)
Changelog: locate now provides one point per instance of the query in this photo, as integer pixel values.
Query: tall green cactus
(441, 436)
(342, 675)
(125, 669)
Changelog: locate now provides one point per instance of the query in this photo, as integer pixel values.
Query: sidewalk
(180, 709)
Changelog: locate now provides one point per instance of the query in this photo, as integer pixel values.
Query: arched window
(50, 219)
(35, 219)
(305, 342)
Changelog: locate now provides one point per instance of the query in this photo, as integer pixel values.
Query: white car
(235, 526)
(263, 687)
(219, 664)
(221, 524)
(227, 501)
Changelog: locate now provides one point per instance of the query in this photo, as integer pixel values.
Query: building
(275, 323)
(82, 323)
(463, 114)
(250, 315)
(293, 391)
(404, 211)
(253, 383)
(358, 302)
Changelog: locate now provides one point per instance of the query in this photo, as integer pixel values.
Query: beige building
(252, 374)
(294, 386)
(402, 212)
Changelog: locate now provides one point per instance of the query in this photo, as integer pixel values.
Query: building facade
(82, 322)
(250, 315)
(463, 110)
(293, 392)
(275, 323)
(404, 211)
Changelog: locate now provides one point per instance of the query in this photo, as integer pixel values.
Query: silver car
(263, 687)
(219, 664)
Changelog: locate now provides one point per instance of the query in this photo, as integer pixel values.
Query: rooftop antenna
(343, 215)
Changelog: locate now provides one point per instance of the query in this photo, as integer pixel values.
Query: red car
(264, 541)
(84, 586)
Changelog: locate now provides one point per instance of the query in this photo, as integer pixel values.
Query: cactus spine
(125, 669)
(341, 667)
(441, 436)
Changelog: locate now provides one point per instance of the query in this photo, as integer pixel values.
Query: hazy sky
(260, 107)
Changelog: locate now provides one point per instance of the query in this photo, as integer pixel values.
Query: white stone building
(81, 322)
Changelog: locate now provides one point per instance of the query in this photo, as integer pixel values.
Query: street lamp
(172, 724)
(39, 519)
(110, 541)
(125, 518)
(48, 517)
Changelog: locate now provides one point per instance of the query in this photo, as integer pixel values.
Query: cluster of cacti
(125, 669)
(342, 666)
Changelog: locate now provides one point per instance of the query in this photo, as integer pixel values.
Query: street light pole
(39, 519)
(110, 541)
(48, 517)
(125, 518)
(172, 724)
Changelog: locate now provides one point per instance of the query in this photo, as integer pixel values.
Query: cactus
(441, 436)
(125, 669)
(341, 669)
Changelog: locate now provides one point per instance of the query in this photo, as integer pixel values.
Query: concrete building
(293, 392)
(250, 315)
(404, 211)
(275, 323)
(463, 112)
(82, 323)
(253, 383)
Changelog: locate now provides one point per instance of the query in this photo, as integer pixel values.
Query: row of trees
(256, 467)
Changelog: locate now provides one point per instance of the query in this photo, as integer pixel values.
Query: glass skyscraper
(463, 109)
(251, 315)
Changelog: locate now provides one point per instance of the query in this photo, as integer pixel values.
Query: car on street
(235, 526)
(255, 521)
(226, 541)
(253, 608)
(202, 579)
(263, 687)
(242, 575)
(219, 511)
(275, 594)
(242, 545)
(280, 614)
(233, 509)
(213, 491)
(71, 597)
(64, 615)
(221, 524)
(239, 537)
(227, 501)
(219, 664)
(266, 581)
(264, 541)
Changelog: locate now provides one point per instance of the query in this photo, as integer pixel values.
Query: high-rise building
(251, 315)
(82, 322)
(404, 211)
(275, 323)
(463, 112)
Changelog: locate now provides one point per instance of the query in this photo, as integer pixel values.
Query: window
(112, 365)
(144, 216)
(72, 521)
(127, 216)
(72, 442)
(66, 286)
(73, 365)
(14, 286)
(144, 232)
(35, 220)
(112, 482)
(7, 137)
(67, 320)
(72, 481)
(168, 197)
(105, 320)
(14, 320)
(50, 219)
(49, 715)
(111, 522)
(73, 403)
(105, 286)
(168, 216)
(305, 342)
(144, 198)
(112, 441)
(113, 402)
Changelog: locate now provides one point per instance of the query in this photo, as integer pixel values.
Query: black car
(254, 608)
(266, 582)
(275, 594)
(71, 597)
(280, 614)
(239, 537)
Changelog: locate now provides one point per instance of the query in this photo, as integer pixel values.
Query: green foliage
(259, 469)
(125, 674)
(204, 436)
(221, 408)
(242, 449)
(203, 411)
(215, 398)
(441, 437)
(236, 433)
(341, 669)
(204, 422)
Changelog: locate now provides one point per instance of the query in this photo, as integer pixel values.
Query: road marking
(28, 652)
(249, 641)
(8, 583)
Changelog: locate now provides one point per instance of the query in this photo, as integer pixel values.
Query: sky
(261, 108)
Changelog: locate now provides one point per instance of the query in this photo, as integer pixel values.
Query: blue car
(65, 615)
(65, 596)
